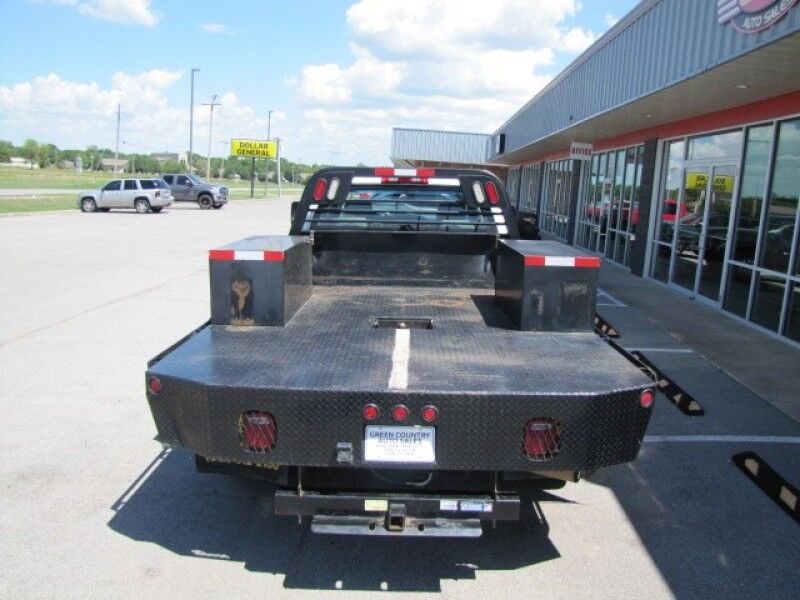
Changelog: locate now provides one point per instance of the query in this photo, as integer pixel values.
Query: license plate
(399, 444)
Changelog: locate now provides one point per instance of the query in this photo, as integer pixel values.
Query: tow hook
(396, 517)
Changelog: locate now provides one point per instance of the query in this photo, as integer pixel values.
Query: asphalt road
(92, 508)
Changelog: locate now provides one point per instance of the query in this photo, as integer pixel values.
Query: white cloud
(127, 12)
(452, 64)
(75, 114)
(610, 20)
(216, 28)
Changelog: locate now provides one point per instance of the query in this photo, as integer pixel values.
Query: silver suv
(143, 195)
(191, 188)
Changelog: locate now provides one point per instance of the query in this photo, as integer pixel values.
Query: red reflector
(319, 189)
(647, 398)
(541, 439)
(371, 412)
(393, 179)
(221, 254)
(592, 262)
(257, 429)
(491, 192)
(400, 413)
(384, 171)
(429, 414)
(154, 385)
(534, 261)
(273, 255)
(426, 172)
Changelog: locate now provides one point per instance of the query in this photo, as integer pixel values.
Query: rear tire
(205, 201)
(88, 205)
(141, 206)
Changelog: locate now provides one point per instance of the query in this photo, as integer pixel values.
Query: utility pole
(191, 124)
(266, 160)
(278, 167)
(225, 144)
(116, 148)
(211, 105)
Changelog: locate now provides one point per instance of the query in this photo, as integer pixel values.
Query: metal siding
(672, 40)
(438, 146)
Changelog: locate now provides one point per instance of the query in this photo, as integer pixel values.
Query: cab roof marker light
(477, 189)
(333, 188)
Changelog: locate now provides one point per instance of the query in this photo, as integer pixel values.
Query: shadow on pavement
(213, 517)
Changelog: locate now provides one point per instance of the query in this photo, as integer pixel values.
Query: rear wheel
(142, 206)
(205, 201)
(88, 205)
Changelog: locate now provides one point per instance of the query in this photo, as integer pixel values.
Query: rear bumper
(473, 431)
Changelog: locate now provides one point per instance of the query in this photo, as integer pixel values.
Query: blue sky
(339, 74)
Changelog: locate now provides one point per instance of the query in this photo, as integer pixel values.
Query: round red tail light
(429, 414)
(492, 193)
(154, 385)
(258, 430)
(400, 413)
(541, 439)
(319, 189)
(646, 398)
(371, 412)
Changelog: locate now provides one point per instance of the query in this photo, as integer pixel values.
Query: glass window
(768, 300)
(660, 268)
(738, 290)
(672, 185)
(112, 186)
(754, 178)
(130, 184)
(169, 179)
(147, 184)
(716, 145)
(793, 316)
(183, 180)
(783, 199)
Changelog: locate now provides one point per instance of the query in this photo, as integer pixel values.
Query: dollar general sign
(256, 148)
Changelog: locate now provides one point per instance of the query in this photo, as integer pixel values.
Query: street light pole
(278, 167)
(211, 105)
(266, 160)
(222, 157)
(116, 148)
(191, 124)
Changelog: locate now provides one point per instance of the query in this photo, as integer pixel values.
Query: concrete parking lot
(92, 507)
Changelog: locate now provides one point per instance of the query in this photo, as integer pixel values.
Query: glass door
(701, 228)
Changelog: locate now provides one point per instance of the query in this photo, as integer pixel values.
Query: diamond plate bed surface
(330, 344)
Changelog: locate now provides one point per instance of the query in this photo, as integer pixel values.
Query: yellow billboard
(256, 148)
(699, 181)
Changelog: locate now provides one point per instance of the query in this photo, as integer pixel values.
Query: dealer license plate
(399, 444)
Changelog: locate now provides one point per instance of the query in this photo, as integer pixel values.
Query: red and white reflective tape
(391, 172)
(267, 255)
(588, 262)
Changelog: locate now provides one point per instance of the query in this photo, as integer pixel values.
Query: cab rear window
(402, 208)
(148, 184)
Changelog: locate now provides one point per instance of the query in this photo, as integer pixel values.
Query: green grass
(24, 204)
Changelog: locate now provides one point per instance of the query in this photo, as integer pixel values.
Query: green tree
(47, 155)
(30, 149)
(6, 151)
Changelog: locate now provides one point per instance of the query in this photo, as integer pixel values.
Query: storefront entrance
(701, 226)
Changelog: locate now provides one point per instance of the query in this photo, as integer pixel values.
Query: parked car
(191, 188)
(142, 195)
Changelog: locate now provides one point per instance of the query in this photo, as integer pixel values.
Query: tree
(30, 149)
(47, 155)
(6, 151)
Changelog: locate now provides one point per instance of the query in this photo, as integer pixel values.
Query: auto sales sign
(750, 16)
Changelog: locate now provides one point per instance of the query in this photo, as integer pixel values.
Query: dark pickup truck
(401, 363)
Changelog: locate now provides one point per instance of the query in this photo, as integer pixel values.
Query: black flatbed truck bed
(348, 341)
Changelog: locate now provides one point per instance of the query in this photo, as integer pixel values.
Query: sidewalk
(767, 366)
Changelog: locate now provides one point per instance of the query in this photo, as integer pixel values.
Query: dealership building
(671, 147)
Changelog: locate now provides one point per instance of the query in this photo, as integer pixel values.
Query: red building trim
(763, 110)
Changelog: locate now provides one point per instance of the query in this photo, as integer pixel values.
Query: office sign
(751, 16)
(254, 148)
(578, 151)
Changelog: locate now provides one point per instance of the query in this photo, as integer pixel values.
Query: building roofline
(618, 28)
(439, 131)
